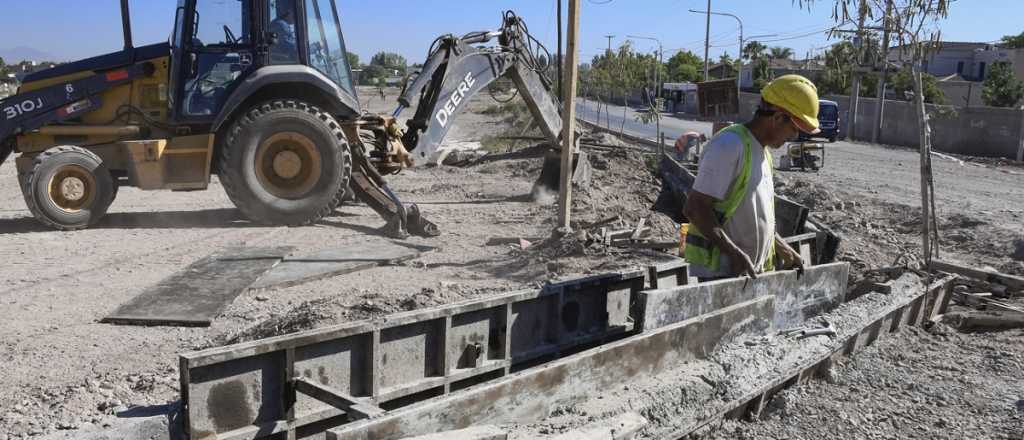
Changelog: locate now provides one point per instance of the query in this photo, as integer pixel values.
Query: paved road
(672, 126)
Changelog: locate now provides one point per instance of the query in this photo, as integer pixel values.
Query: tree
(837, 78)
(754, 51)
(781, 53)
(685, 66)
(1014, 41)
(372, 74)
(914, 25)
(903, 85)
(353, 60)
(1001, 88)
(390, 61)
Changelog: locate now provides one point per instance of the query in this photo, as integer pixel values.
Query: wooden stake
(925, 150)
(571, 75)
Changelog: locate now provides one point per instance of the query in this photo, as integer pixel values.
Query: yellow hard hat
(797, 96)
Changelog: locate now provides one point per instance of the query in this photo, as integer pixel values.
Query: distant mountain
(22, 53)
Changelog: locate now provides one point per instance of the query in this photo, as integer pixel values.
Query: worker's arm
(701, 212)
(790, 257)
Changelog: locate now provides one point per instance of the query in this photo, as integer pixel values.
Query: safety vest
(700, 250)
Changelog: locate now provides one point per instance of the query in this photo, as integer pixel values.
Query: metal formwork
(304, 383)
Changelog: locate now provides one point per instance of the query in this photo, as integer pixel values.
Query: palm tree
(781, 53)
(754, 50)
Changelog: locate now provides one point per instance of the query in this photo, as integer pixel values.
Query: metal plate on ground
(347, 258)
(200, 292)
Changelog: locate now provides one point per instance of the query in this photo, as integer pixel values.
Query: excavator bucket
(550, 174)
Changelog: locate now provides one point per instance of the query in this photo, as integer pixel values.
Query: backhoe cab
(258, 92)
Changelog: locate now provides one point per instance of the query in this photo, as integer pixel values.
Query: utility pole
(609, 37)
(707, 39)
(739, 54)
(855, 95)
(876, 128)
(571, 74)
(560, 54)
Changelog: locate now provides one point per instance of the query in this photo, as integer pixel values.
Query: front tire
(68, 188)
(285, 162)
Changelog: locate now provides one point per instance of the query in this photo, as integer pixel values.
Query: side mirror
(272, 38)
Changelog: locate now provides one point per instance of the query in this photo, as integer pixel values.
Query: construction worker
(284, 49)
(731, 207)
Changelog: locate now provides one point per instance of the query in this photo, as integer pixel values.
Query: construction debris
(622, 427)
(983, 321)
(480, 432)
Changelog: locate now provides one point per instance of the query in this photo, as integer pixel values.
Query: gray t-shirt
(752, 227)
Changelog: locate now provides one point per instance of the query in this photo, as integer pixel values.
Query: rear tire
(68, 188)
(285, 162)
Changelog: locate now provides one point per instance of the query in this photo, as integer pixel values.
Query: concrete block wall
(975, 131)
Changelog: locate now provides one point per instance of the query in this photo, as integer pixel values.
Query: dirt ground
(915, 384)
(63, 370)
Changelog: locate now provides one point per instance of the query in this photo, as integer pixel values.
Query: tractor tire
(285, 162)
(68, 188)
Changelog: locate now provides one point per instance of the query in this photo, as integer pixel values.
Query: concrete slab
(798, 296)
(532, 394)
(299, 269)
(486, 432)
(200, 292)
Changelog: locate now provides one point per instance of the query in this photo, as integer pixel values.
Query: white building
(972, 61)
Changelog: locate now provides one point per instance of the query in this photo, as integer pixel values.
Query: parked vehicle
(828, 118)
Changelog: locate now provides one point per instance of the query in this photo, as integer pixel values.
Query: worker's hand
(741, 262)
(790, 258)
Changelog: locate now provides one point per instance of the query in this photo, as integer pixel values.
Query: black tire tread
(232, 188)
(26, 180)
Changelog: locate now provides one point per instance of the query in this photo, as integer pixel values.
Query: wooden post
(925, 151)
(571, 75)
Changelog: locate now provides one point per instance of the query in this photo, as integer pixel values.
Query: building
(971, 61)
(8, 85)
(680, 97)
(721, 71)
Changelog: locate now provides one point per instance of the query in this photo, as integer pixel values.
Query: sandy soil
(63, 370)
(914, 385)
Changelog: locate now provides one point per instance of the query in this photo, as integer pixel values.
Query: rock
(1018, 251)
(262, 298)
(108, 405)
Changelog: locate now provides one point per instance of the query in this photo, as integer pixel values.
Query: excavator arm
(456, 69)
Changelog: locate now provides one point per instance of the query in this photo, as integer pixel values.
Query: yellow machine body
(148, 157)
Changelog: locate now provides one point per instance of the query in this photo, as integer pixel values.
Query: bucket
(683, 229)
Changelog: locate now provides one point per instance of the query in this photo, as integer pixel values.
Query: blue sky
(71, 29)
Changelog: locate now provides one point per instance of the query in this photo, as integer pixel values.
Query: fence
(974, 131)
